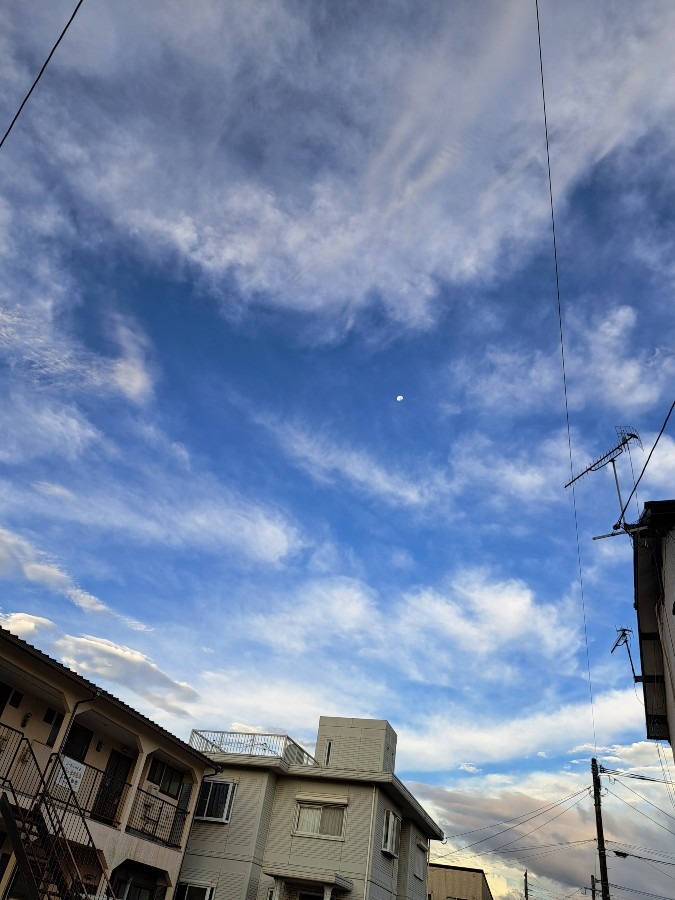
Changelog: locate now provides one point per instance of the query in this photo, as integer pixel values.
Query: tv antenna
(622, 639)
(626, 434)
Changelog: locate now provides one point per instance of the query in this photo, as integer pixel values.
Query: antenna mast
(623, 639)
(625, 435)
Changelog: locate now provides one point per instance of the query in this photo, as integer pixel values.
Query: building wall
(347, 855)
(366, 745)
(666, 623)
(228, 856)
(450, 882)
(383, 868)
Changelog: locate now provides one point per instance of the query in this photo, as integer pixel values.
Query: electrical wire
(564, 377)
(644, 468)
(531, 813)
(648, 801)
(620, 887)
(640, 811)
(518, 824)
(39, 76)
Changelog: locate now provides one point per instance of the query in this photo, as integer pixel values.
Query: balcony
(157, 820)
(100, 796)
(279, 746)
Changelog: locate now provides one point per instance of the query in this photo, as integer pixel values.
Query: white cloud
(21, 560)
(443, 742)
(105, 661)
(185, 510)
(326, 461)
(25, 625)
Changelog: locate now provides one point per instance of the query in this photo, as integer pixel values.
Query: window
(77, 742)
(215, 801)
(15, 699)
(166, 777)
(193, 892)
(420, 861)
(329, 747)
(391, 833)
(322, 820)
(56, 724)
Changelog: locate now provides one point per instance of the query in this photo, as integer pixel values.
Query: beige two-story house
(279, 824)
(95, 798)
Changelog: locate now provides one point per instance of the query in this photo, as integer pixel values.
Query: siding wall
(228, 856)
(457, 882)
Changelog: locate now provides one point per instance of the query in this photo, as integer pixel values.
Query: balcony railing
(18, 766)
(99, 795)
(157, 819)
(274, 745)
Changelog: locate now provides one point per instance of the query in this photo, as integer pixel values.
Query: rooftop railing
(271, 745)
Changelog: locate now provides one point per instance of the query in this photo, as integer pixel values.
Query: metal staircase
(55, 853)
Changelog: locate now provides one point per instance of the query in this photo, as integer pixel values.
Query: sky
(284, 426)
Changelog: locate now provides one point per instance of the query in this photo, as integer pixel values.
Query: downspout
(366, 893)
(96, 695)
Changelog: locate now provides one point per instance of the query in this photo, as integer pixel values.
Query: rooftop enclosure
(279, 746)
(365, 745)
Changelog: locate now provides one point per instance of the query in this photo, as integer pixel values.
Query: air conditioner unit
(153, 789)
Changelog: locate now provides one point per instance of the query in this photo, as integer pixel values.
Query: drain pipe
(95, 696)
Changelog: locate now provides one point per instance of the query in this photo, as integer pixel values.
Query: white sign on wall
(72, 773)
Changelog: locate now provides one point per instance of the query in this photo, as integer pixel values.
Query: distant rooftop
(279, 746)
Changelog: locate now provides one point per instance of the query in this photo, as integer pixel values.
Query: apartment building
(276, 823)
(95, 798)
(654, 579)
(446, 882)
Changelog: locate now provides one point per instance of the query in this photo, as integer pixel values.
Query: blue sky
(231, 236)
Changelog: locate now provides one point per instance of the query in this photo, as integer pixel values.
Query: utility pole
(527, 895)
(604, 880)
(592, 887)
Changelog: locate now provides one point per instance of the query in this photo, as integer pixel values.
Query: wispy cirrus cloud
(21, 560)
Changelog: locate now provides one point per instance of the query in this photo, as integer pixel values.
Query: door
(111, 790)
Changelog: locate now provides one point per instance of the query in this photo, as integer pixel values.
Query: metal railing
(157, 819)
(99, 795)
(274, 745)
(49, 834)
(19, 770)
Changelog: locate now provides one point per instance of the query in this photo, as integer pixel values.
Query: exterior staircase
(55, 854)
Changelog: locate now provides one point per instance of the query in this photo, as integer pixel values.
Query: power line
(640, 811)
(44, 66)
(620, 887)
(539, 810)
(648, 801)
(564, 376)
(663, 428)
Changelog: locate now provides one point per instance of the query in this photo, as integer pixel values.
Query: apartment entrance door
(112, 786)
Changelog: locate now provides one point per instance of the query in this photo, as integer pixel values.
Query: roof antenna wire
(564, 375)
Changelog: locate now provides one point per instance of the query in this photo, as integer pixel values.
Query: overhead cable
(39, 76)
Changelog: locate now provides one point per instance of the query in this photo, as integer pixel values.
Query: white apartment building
(278, 824)
(654, 577)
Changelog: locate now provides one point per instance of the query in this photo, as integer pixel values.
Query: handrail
(55, 762)
(252, 744)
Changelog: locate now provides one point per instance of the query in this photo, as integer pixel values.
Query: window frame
(186, 885)
(391, 838)
(227, 808)
(166, 769)
(320, 805)
(421, 860)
